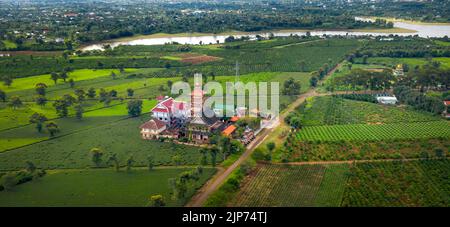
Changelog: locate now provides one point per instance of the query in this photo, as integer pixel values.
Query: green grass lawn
(101, 187)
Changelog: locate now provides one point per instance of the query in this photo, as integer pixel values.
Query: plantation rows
(432, 129)
(415, 183)
(276, 185)
(388, 183)
(333, 111)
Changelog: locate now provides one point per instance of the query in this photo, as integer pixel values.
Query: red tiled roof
(160, 98)
(154, 124)
(447, 103)
(161, 110)
(179, 105)
(168, 103)
(230, 129)
(234, 119)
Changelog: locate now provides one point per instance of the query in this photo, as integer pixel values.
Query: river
(422, 30)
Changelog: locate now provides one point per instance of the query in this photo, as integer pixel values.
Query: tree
(130, 92)
(302, 66)
(176, 159)
(113, 159)
(313, 81)
(270, 146)
(7, 81)
(61, 107)
(213, 152)
(91, 93)
(364, 59)
(439, 153)
(40, 88)
(2, 96)
(15, 102)
(40, 100)
(30, 167)
(113, 93)
(130, 162)
(169, 84)
(52, 128)
(38, 119)
(134, 107)
(79, 111)
(8, 181)
(63, 76)
(54, 76)
(97, 154)
(157, 201)
(203, 157)
(80, 95)
(150, 162)
(71, 83)
(291, 87)
(103, 95)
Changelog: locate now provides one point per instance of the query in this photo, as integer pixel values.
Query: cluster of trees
(429, 76)
(291, 87)
(97, 159)
(9, 180)
(184, 182)
(366, 79)
(164, 18)
(419, 100)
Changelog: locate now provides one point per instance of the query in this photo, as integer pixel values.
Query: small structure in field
(229, 131)
(387, 100)
(152, 129)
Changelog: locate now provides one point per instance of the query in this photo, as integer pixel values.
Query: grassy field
(432, 129)
(121, 137)
(87, 188)
(335, 111)
(76, 75)
(24, 135)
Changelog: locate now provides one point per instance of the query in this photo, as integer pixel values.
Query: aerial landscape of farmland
(224, 103)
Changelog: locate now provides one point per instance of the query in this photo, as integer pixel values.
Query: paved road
(216, 181)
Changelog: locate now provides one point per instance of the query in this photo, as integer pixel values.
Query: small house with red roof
(152, 129)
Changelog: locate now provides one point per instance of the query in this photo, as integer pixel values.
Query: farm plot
(432, 129)
(413, 183)
(300, 151)
(87, 188)
(120, 137)
(336, 111)
(25, 135)
(278, 185)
